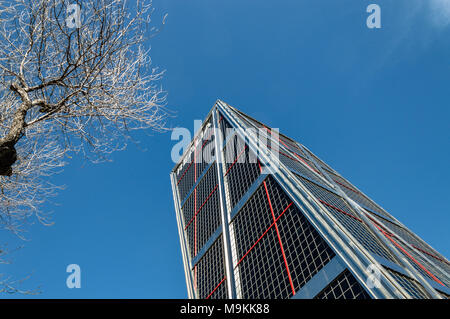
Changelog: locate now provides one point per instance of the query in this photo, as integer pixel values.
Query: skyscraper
(260, 216)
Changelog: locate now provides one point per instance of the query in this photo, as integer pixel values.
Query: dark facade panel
(320, 162)
(249, 121)
(263, 273)
(357, 196)
(345, 286)
(298, 167)
(253, 219)
(186, 177)
(411, 286)
(241, 169)
(274, 250)
(418, 244)
(190, 229)
(205, 154)
(424, 267)
(306, 252)
(201, 211)
(225, 128)
(209, 273)
(337, 206)
(292, 146)
(196, 161)
(279, 250)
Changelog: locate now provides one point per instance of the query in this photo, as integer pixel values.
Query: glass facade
(253, 225)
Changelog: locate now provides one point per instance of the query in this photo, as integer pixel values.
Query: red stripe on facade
(237, 157)
(307, 163)
(349, 188)
(214, 290)
(185, 172)
(210, 194)
(266, 231)
(194, 156)
(195, 277)
(339, 210)
(381, 226)
(409, 256)
(429, 254)
(279, 239)
(210, 134)
(260, 168)
(289, 148)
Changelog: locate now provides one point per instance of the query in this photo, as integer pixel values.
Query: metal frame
(303, 199)
(350, 254)
(357, 208)
(320, 280)
(224, 212)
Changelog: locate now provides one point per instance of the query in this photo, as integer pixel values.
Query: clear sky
(372, 103)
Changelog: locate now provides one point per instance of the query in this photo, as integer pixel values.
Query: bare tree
(8, 284)
(75, 78)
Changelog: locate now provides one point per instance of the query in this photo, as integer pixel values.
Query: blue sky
(374, 104)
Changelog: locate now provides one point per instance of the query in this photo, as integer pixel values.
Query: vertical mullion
(218, 143)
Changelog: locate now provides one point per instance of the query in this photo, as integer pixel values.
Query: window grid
(429, 267)
(262, 270)
(196, 162)
(240, 172)
(205, 150)
(357, 196)
(411, 286)
(201, 212)
(299, 167)
(285, 143)
(263, 273)
(210, 271)
(292, 155)
(418, 244)
(225, 127)
(306, 251)
(186, 179)
(288, 143)
(348, 219)
(220, 292)
(188, 210)
(249, 120)
(319, 161)
(251, 221)
(420, 264)
(345, 286)
(293, 147)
